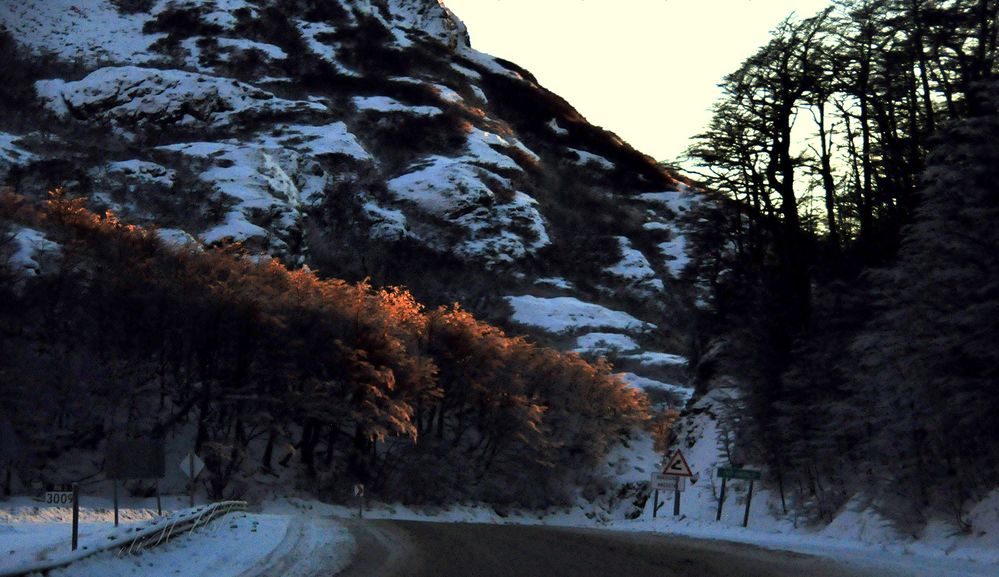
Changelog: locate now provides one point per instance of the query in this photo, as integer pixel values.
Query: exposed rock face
(361, 137)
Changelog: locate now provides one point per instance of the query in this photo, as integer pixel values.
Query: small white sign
(59, 497)
(668, 482)
(190, 460)
(358, 490)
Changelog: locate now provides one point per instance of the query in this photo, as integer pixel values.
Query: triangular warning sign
(678, 466)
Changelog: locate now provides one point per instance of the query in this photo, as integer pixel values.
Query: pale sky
(645, 69)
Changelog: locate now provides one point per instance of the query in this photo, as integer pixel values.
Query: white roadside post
(359, 493)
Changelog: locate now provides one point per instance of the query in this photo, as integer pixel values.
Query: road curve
(423, 549)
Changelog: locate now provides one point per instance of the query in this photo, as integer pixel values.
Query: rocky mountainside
(362, 138)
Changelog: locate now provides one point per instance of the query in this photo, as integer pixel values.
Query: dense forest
(133, 337)
(855, 287)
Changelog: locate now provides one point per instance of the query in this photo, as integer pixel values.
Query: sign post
(721, 501)
(134, 459)
(749, 501)
(726, 473)
(76, 515)
(678, 469)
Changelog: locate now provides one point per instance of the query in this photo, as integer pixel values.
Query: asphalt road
(421, 549)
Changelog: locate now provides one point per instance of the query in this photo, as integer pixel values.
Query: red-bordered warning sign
(677, 466)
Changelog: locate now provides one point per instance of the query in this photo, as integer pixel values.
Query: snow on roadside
(563, 314)
(227, 547)
(285, 542)
(901, 559)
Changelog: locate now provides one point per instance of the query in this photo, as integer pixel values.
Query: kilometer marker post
(116, 502)
(76, 515)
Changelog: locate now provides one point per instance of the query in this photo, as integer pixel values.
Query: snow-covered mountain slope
(365, 138)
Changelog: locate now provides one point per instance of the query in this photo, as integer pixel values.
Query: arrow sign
(191, 465)
(677, 466)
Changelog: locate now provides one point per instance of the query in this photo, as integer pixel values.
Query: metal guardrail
(204, 516)
(152, 535)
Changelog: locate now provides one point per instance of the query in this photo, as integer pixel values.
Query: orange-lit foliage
(364, 382)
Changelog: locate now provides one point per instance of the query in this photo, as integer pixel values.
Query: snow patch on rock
(131, 97)
(30, 247)
(603, 343)
(656, 359)
(384, 104)
(555, 282)
(386, 223)
(11, 154)
(497, 225)
(254, 186)
(85, 31)
(634, 268)
(554, 126)
(142, 172)
(678, 201)
(564, 314)
(654, 387)
(589, 159)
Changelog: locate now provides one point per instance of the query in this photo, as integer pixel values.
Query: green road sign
(733, 473)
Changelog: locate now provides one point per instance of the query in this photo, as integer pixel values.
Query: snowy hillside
(363, 138)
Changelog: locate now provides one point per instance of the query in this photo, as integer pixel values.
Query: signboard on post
(59, 494)
(192, 466)
(726, 473)
(663, 482)
(678, 469)
(677, 466)
(735, 473)
(135, 459)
